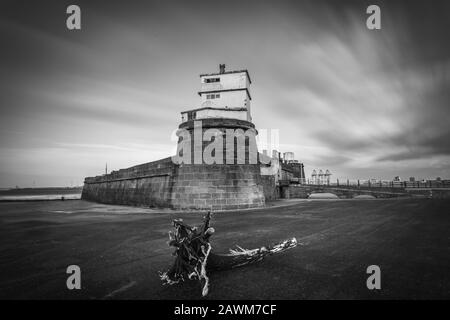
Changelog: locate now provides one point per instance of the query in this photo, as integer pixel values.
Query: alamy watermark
(74, 280)
(224, 145)
(374, 280)
(73, 22)
(373, 22)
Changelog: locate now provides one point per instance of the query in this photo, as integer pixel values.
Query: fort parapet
(165, 184)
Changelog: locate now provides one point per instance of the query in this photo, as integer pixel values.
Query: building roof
(225, 90)
(226, 109)
(227, 72)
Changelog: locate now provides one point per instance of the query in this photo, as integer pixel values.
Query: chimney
(221, 68)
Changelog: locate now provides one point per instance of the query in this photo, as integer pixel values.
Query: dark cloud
(340, 94)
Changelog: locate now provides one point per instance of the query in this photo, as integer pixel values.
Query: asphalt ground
(121, 249)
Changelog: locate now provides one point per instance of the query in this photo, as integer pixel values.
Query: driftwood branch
(193, 256)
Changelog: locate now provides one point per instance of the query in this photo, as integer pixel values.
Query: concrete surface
(324, 195)
(121, 249)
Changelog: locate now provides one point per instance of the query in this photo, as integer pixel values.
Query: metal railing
(381, 183)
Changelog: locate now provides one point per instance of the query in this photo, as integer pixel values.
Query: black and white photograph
(239, 150)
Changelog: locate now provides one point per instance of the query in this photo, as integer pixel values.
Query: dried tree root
(194, 259)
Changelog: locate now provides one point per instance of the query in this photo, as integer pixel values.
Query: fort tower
(233, 180)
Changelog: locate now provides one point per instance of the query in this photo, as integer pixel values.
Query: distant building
(321, 178)
(288, 169)
(288, 157)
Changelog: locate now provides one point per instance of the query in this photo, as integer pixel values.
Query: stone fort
(235, 176)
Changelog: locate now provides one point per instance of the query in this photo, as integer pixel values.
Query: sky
(361, 103)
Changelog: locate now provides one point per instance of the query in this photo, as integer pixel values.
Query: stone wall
(271, 191)
(165, 184)
(298, 191)
(234, 182)
(148, 184)
(217, 187)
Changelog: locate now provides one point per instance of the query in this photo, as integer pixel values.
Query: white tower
(225, 94)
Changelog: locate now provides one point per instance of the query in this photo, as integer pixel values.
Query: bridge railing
(382, 183)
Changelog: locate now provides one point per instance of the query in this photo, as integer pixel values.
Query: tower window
(213, 96)
(210, 80)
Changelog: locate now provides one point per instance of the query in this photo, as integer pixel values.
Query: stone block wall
(148, 184)
(298, 191)
(226, 185)
(271, 191)
(165, 184)
(217, 187)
